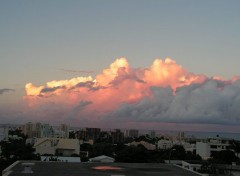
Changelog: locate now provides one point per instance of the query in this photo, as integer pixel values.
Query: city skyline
(153, 65)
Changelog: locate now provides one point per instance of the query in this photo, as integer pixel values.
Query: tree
(236, 146)
(102, 149)
(207, 168)
(72, 135)
(16, 149)
(223, 157)
(86, 147)
(190, 156)
(178, 153)
(132, 154)
(138, 154)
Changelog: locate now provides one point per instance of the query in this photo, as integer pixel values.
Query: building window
(213, 146)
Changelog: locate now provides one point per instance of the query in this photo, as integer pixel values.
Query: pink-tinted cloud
(164, 92)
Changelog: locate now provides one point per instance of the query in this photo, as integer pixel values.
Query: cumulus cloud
(197, 103)
(2, 91)
(162, 92)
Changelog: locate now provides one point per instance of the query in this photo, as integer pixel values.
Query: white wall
(202, 149)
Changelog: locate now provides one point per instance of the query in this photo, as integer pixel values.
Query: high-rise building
(32, 130)
(152, 134)
(117, 136)
(131, 133)
(47, 130)
(181, 135)
(39, 130)
(4, 133)
(89, 134)
(65, 129)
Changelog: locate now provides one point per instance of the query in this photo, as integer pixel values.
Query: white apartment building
(211, 145)
(165, 144)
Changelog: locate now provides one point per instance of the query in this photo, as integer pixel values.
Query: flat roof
(98, 169)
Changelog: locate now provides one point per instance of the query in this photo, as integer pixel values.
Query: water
(235, 136)
(196, 134)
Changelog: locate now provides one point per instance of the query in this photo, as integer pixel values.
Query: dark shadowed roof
(98, 169)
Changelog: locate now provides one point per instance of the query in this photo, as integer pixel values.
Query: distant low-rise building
(59, 146)
(189, 147)
(165, 144)
(147, 145)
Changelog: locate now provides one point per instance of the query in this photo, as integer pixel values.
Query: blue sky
(39, 38)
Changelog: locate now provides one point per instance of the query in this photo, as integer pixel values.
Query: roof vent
(27, 168)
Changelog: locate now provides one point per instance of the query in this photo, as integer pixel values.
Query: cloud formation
(2, 91)
(163, 92)
(77, 71)
(208, 103)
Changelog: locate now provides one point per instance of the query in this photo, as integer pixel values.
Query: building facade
(132, 133)
(207, 147)
(57, 146)
(165, 144)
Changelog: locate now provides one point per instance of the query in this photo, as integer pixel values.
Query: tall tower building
(65, 129)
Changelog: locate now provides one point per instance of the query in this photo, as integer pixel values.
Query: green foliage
(137, 154)
(74, 155)
(72, 135)
(102, 149)
(18, 133)
(207, 168)
(191, 156)
(86, 147)
(223, 157)
(146, 139)
(236, 146)
(16, 149)
(178, 153)
(84, 158)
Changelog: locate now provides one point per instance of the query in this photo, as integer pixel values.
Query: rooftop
(96, 169)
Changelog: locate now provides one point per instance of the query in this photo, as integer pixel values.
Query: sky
(159, 64)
